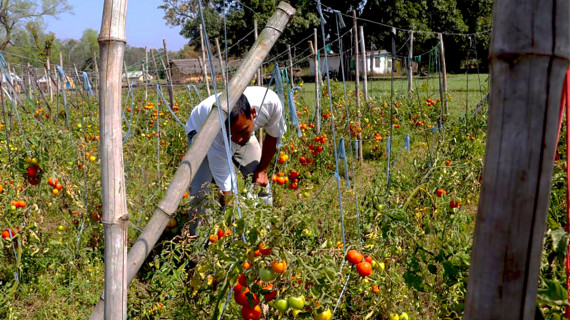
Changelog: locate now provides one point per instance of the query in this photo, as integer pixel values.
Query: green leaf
(553, 295)
(559, 240)
(414, 280)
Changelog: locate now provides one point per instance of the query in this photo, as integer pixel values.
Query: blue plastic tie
(87, 85)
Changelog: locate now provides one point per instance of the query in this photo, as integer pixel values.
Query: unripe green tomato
(296, 303)
(281, 305)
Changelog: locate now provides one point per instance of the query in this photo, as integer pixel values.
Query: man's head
(242, 121)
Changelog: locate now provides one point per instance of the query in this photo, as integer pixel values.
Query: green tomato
(281, 305)
(297, 303)
(325, 315)
(267, 275)
(307, 233)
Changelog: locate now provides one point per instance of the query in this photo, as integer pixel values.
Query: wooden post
(357, 81)
(145, 74)
(444, 72)
(155, 66)
(290, 65)
(410, 63)
(31, 89)
(204, 64)
(315, 51)
(168, 206)
(168, 74)
(259, 82)
(222, 65)
(528, 62)
(96, 75)
(115, 216)
(364, 64)
(48, 79)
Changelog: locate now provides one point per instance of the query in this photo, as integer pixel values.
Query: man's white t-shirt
(268, 117)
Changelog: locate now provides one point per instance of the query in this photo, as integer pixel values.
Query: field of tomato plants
(392, 242)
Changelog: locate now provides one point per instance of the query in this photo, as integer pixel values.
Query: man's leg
(199, 187)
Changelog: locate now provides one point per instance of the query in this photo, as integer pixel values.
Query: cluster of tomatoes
(292, 178)
(214, 236)
(430, 102)
(283, 157)
(355, 130)
(363, 263)
(18, 204)
(9, 233)
(315, 150)
(33, 173)
(251, 288)
(56, 186)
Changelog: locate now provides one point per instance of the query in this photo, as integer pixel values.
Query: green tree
(15, 14)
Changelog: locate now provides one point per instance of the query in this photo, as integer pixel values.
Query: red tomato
(251, 313)
(364, 269)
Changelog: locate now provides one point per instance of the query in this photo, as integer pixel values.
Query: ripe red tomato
(220, 233)
(241, 280)
(266, 252)
(251, 313)
(364, 269)
(454, 204)
(353, 257)
(368, 259)
(440, 192)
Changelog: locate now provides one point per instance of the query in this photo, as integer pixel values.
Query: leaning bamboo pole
(115, 216)
(529, 56)
(167, 207)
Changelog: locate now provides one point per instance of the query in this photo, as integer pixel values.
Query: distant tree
(15, 14)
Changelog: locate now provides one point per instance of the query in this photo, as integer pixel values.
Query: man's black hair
(242, 107)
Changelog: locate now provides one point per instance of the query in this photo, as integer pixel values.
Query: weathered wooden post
(529, 57)
(167, 207)
(443, 71)
(115, 216)
(410, 62)
(168, 74)
(364, 64)
(96, 73)
(259, 83)
(145, 74)
(204, 61)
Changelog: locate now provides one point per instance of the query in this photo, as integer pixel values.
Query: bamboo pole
(290, 65)
(364, 64)
(204, 65)
(168, 74)
(145, 74)
(357, 81)
(444, 72)
(222, 66)
(115, 216)
(529, 57)
(48, 77)
(315, 52)
(167, 207)
(259, 82)
(410, 63)
(96, 74)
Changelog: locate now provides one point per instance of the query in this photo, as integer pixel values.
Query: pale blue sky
(145, 25)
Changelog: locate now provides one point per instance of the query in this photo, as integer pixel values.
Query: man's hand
(260, 178)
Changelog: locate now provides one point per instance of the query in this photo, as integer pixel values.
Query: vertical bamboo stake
(48, 77)
(168, 74)
(290, 65)
(444, 72)
(167, 207)
(410, 63)
(529, 57)
(259, 82)
(315, 51)
(145, 74)
(357, 81)
(32, 96)
(115, 216)
(222, 66)
(96, 71)
(204, 64)
(364, 64)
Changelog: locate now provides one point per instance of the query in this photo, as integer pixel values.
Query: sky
(145, 25)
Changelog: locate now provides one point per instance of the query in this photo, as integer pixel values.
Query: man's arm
(267, 153)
